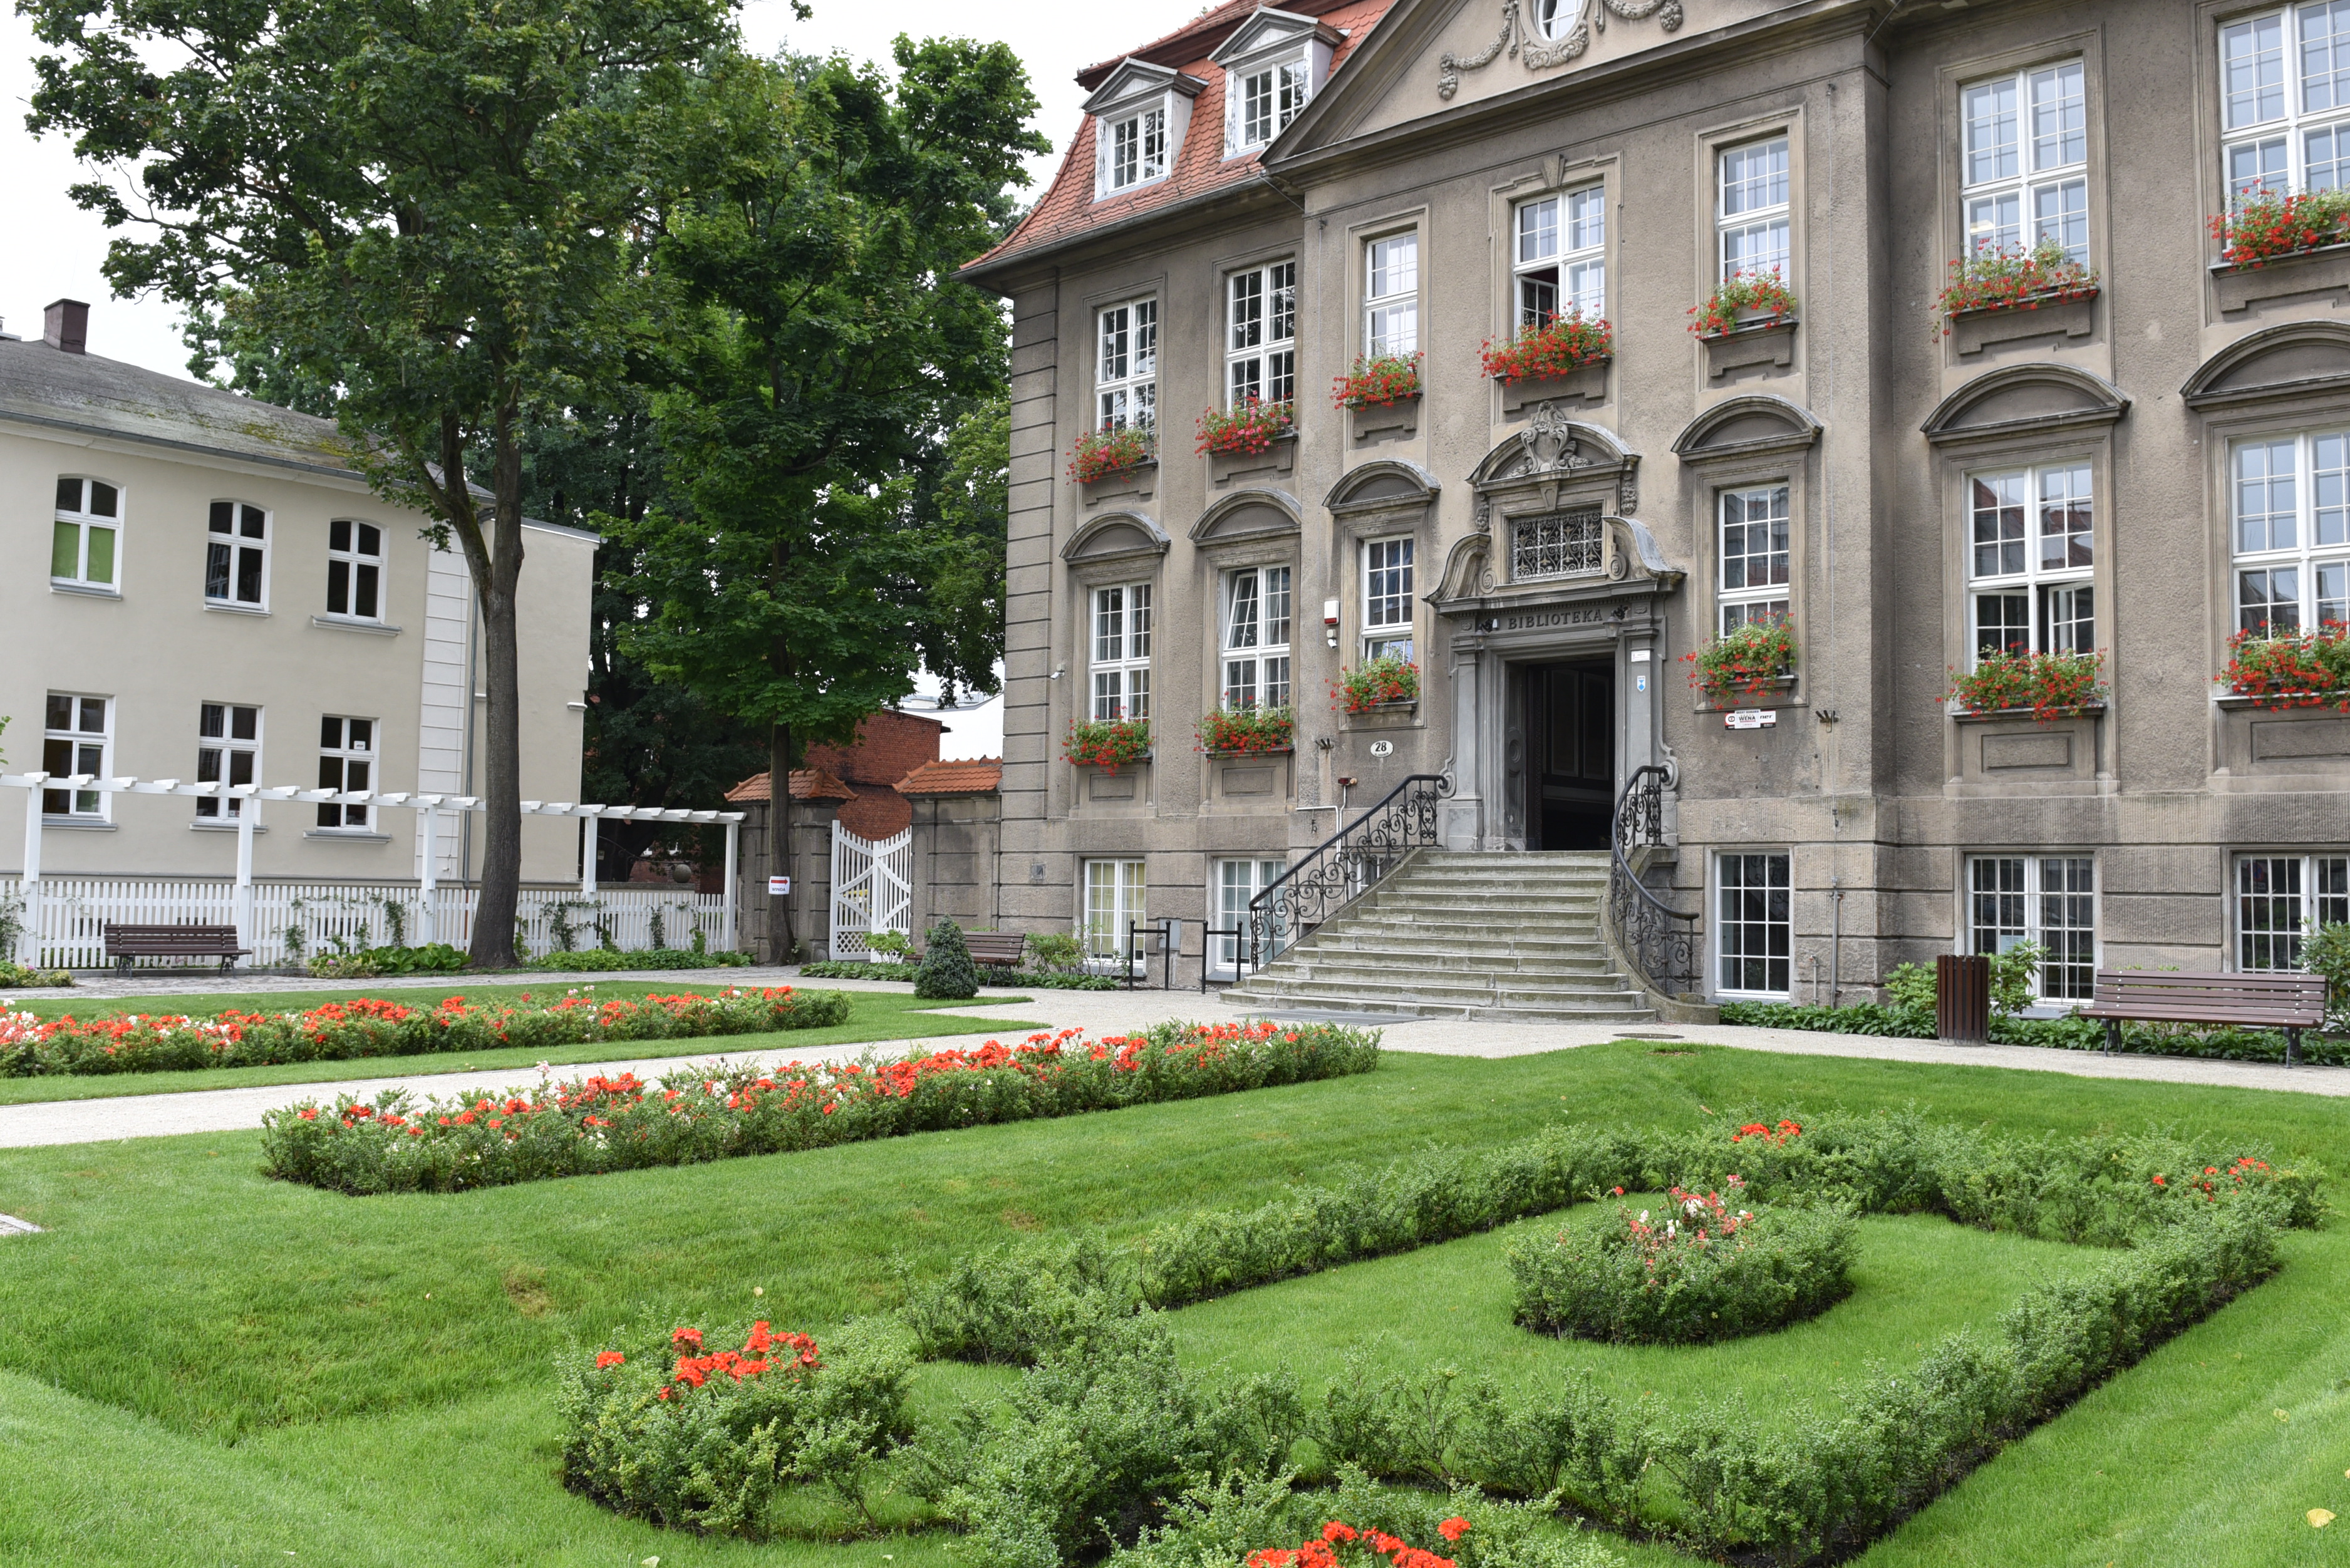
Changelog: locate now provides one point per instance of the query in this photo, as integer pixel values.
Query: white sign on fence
(779, 886)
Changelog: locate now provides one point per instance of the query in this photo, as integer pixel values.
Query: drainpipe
(1836, 943)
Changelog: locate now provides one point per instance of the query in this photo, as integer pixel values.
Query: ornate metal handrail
(1343, 866)
(1657, 940)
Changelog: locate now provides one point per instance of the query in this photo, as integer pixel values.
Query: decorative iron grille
(1562, 545)
(1342, 869)
(1659, 942)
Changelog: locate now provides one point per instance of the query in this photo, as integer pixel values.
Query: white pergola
(429, 807)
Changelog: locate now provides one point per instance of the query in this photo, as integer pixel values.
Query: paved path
(1100, 1012)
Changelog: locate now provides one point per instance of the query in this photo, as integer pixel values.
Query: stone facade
(1570, 542)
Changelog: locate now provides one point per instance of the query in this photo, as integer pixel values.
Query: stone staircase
(1453, 935)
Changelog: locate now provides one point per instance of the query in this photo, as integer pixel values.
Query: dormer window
(1269, 97)
(1272, 62)
(1140, 113)
(1138, 148)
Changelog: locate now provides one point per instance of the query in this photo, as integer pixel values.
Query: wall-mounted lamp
(1330, 621)
(1058, 670)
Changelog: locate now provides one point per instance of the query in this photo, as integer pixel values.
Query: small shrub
(1099, 453)
(2052, 685)
(589, 960)
(1763, 294)
(1251, 428)
(1377, 680)
(1377, 380)
(1054, 950)
(1745, 662)
(15, 975)
(2326, 952)
(1108, 744)
(367, 963)
(946, 973)
(895, 945)
(1246, 730)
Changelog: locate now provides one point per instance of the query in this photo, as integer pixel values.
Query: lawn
(283, 1370)
(875, 1015)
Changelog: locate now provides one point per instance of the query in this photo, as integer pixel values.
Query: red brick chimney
(66, 326)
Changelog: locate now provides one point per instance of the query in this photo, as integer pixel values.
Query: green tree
(813, 553)
(421, 211)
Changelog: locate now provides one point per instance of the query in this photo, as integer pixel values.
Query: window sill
(353, 623)
(85, 590)
(253, 611)
(2325, 270)
(1138, 480)
(1782, 694)
(1763, 342)
(2042, 316)
(1243, 756)
(348, 835)
(2005, 715)
(219, 824)
(1367, 421)
(1586, 382)
(79, 823)
(1100, 194)
(2235, 702)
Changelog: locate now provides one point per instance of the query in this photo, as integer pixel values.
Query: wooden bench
(2288, 1002)
(996, 947)
(126, 943)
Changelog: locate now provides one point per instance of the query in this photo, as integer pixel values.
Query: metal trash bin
(1962, 997)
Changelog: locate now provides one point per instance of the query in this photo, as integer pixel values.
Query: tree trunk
(493, 921)
(781, 939)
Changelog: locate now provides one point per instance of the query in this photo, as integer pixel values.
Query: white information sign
(779, 886)
(1751, 718)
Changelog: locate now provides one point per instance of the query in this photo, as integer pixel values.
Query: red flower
(309, 1113)
(605, 1359)
(2160, 1182)
(1453, 1529)
(691, 1337)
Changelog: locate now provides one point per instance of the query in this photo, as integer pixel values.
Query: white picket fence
(872, 890)
(294, 920)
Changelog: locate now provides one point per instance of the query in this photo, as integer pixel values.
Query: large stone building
(1255, 201)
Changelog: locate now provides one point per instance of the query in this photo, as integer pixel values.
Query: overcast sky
(58, 246)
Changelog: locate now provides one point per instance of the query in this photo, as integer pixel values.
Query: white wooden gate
(872, 890)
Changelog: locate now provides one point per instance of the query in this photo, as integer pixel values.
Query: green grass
(210, 1368)
(874, 1015)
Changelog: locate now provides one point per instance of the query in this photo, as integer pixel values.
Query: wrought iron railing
(1342, 867)
(1657, 940)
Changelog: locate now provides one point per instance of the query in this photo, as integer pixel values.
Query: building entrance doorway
(1571, 754)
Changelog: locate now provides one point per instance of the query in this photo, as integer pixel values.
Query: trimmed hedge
(2067, 1033)
(989, 974)
(589, 958)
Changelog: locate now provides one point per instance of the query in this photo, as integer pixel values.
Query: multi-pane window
(1754, 556)
(2027, 161)
(1754, 212)
(1261, 355)
(2284, 100)
(1256, 638)
(79, 739)
(236, 555)
(354, 569)
(228, 753)
(1121, 652)
(2290, 531)
(2031, 554)
(1136, 152)
(346, 762)
(85, 539)
(2282, 899)
(1113, 904)
(1755, 933)
(1237, 882)
(1265, 99)
(1561, 257)
(1386, 599)
(2048, 899)
(1126, 378)
(1391, 296)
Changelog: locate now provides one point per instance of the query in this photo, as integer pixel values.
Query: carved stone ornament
(1541, 54)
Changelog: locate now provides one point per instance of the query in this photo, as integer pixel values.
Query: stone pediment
(1247, 514)
(1115, 536)
(1755, 426)
(1268, 30)
(1554, 450)
(2036, 398)
(1138, 79)
(1629, 561)
(2295, 358)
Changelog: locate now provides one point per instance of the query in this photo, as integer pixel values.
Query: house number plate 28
(1383, 748)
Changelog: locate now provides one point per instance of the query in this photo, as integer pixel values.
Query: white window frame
(234, 547)
(2318, 894)
(219, 750)
(1388, 583)
(1554, 19)
(1731, 870)
(356, 563)
(1126, 365)
(86, 750)
(2050, 899)
(1135, 147)
(1113, 893)
(1118, 642)
(2060, 598)
(1261, 334)
(82, 517)
(1286, 85)
(337, 759)
(1748, 204)
(1391, 294)
(1747, 600)
(2316, 514)
(1258, 617)
(2016, 192)
(1232, 883)
(2285, 131)
(1559, 258)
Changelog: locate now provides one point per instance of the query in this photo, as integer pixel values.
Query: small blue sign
(1640, 683)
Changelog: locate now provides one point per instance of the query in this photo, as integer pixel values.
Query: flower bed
(656, 1429)
(1247, 730)
(2265, 227)
(1097, 454)
(1341, 1545)
(2052, 685)
(1377, 682)
(1251, 428)
(1108, 744)
(1762, 297)
(1548, 351)
(15, 975)
(1377, 381)
(590, 958)
(1744, 663)
(371, 1026)
(2223, 1045)
(2008, 277)
(989, 974)
(2309, 670)
(1702, 1271)
(400, 1143)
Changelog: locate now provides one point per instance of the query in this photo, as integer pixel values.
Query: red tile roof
(978, 775)
(808, 783)
(1068, 209)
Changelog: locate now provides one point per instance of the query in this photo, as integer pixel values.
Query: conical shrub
(946, 973)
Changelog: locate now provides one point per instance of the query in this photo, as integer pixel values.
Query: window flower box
(2047, 686)
(1107, 744)
(1567, 356)
(1378, 684)
(1248, 430)
(2304, 670)
(1381, 394)
(1746, 665)
(1118, 453)
(2269, 227)
(1741, 304)
(1998, 294)
(1247, 731)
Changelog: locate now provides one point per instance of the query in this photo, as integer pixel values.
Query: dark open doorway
(1571, 779)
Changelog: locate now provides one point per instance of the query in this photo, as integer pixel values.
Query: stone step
(1306, 997)
(1450, 988)
(1403, 943)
